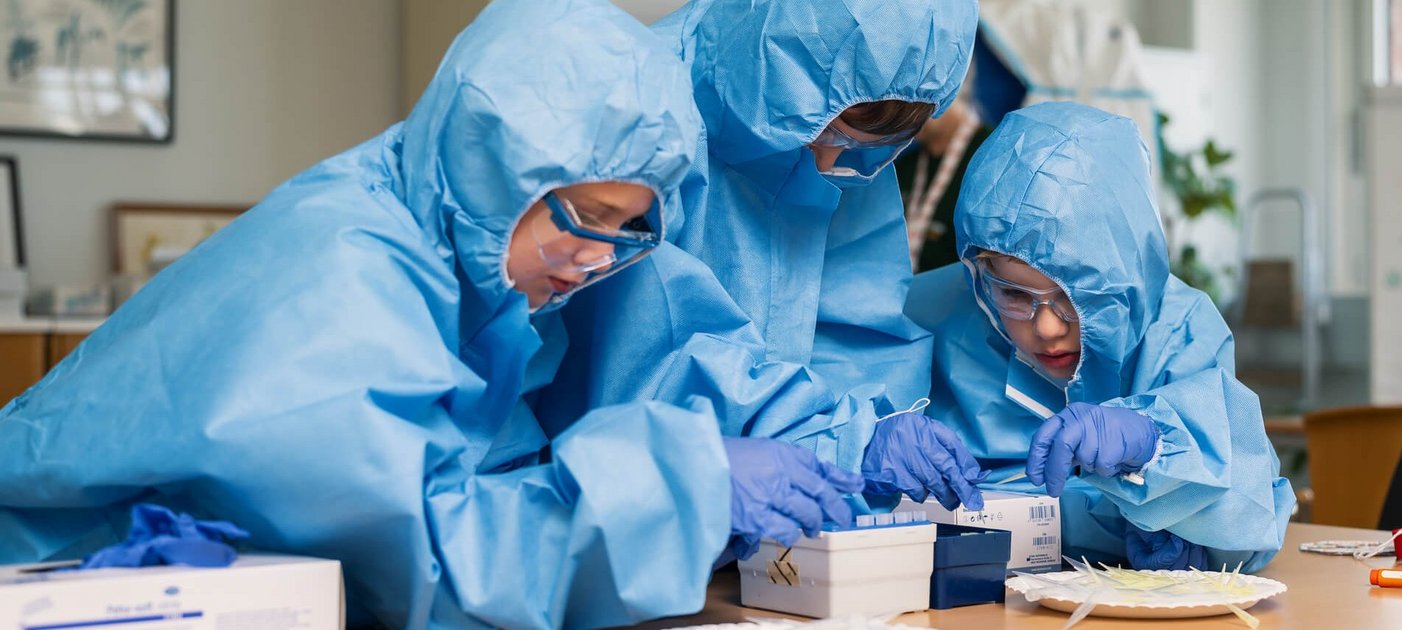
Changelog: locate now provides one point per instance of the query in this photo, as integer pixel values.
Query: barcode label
(1038, 512)
(1043, 541)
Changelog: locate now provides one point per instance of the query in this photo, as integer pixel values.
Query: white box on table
(1033, 519)
(862, 571)
(269, 592)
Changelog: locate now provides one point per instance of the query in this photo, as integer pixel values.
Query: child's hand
(1162, 550)
(1104, 440)
(778, 489)
(919, 456)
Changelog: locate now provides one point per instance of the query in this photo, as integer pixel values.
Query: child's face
(1052, 341)
(536, 238)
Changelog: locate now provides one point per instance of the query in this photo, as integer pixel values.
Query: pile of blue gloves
(159, 536)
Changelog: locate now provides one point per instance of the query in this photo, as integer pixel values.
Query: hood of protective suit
(770, 75)
(586, 95)
(1066, 188)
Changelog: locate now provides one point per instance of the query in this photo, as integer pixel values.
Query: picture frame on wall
(147, 237)
(11, 218)
(88, 69)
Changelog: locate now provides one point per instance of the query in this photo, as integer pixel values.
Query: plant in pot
(1198, 183)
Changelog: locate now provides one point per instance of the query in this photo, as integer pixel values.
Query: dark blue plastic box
(970, 566)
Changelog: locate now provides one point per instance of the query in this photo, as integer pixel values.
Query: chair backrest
(1352, 454)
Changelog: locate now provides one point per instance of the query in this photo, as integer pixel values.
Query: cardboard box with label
(1033, 519)
(269, 592)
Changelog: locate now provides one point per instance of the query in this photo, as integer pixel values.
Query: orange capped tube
(1386, 577)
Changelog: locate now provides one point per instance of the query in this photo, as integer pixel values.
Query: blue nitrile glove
(777, 489)
(1104, 440)
(917, 455)
(159, 536)
(1162, 550)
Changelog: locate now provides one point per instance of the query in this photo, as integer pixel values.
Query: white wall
(1163, 23)
(1384, 154)
(1292, 120)
(1350, 26)
(1226, 36)
(1284, 91)
(1228, 33)
(264, 88)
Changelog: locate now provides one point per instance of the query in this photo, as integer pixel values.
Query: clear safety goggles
(1019, 302)
(832, 136)
(597, 244)
(858, 167)
(860, 160)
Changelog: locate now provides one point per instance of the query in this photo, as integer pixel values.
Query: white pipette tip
(1015, 477)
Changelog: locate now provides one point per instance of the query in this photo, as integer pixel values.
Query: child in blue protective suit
(341, 371)
(779, 298)
(1063, 341)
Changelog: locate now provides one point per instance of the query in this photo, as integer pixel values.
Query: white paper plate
(1141, 605)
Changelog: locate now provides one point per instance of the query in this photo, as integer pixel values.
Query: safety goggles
(1019, 302)
(860, 160)
(832, 136)
(602, 244)
(859, 167)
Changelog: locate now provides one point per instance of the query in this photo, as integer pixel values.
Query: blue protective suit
(781, 300)
(341, 370)
(1066, 189)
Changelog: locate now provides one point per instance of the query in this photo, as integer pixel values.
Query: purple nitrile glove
(778, 490)
(919, 456)
(1107, 441)
(159, 536)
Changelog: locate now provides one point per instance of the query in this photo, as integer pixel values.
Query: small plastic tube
(1391, 578)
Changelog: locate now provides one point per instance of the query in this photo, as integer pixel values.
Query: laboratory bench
(1324, 592)
(31, 346)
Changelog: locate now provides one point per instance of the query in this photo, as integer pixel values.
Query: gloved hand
(159, 536)
(1104, 440)
(920, 456)
(1162, 550)
(777, 488)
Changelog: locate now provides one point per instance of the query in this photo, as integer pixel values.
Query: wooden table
(1324, 592)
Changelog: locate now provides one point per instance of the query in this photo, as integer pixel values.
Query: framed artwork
(11, 225)
(89, 69)
(148, 236)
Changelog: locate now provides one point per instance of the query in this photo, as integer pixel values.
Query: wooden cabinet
(62, 343)
(24, 357)
(30, 348)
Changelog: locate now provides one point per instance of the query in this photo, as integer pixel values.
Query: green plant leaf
(1215, 157)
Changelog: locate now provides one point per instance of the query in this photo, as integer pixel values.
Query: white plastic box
(267, 592)
(873, 569)
(1033, 519)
